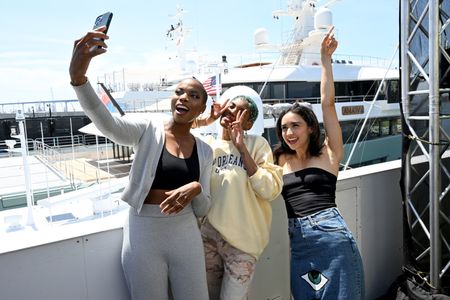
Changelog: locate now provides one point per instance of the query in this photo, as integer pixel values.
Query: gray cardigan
(147, 138)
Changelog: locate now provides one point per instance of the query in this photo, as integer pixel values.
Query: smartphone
(104, 19)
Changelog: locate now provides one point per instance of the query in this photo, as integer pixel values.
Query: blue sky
(37, 36)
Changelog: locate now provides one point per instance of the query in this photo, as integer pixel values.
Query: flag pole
(114, 102)
(218, 89)
(218, 86)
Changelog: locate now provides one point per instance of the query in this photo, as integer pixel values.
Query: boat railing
(338, 59)
(344, 59)
(41, 108)
(58, 167)
(52, 158)
(81, 159)
(67, 141)
(5, 151)
(291, 46)
(362, 60)
(316, 100)
(61, 141)
(52, 165)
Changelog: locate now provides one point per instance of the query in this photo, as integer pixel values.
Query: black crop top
(308, 191)
(173, 172)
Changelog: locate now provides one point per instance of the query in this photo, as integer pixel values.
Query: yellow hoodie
(241, 210)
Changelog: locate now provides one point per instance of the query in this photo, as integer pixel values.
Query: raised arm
(330, 121)
(120, 130)
(84, 50)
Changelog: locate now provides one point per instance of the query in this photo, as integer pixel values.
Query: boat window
(385, 128)
(365, 89)
(357, 90)
(303, 89)
(278, 91)
(348, 131)
(253, 86)
(343, 89)
(396, 126)
(266, 92)
(393, 91)
(271, 136)
(374, 129)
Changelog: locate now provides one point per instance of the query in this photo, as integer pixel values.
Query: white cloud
(31, 84)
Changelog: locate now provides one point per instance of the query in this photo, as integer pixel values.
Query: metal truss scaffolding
(425, 84)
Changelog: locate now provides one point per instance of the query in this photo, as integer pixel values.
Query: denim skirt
(325, 260)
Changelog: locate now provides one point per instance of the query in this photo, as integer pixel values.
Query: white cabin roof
(341, 72)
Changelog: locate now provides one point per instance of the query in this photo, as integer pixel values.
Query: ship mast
(311, 23)
(177, 34)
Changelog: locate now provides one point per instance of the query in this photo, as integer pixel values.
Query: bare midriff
(155, 196)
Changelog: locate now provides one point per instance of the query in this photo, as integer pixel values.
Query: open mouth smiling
(292, 141)
(181, 109)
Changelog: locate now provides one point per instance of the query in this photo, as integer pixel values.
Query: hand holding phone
(102, 20)
(81, 58)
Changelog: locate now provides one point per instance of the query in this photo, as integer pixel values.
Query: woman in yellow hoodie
(243, 182)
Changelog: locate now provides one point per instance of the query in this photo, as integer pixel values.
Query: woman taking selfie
(168, 187)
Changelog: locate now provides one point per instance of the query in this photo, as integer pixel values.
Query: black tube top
(308, 191)
(173, 172)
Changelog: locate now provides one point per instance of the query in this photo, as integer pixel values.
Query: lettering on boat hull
(352, 110)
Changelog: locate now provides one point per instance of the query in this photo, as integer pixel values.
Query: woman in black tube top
(169, 184)
(325, 261)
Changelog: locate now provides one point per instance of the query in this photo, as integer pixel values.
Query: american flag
(210, 85)
(105, 99)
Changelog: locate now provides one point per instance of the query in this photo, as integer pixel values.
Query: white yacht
(365, 87)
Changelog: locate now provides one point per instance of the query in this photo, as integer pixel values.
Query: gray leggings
(158, 249)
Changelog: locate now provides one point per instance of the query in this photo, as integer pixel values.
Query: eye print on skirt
(315, 279)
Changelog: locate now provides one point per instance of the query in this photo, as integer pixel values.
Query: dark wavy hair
(304, 110)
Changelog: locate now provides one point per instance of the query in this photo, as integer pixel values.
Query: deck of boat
(79, 258)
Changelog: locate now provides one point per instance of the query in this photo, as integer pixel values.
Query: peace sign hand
(236, 129)
(217, 109)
